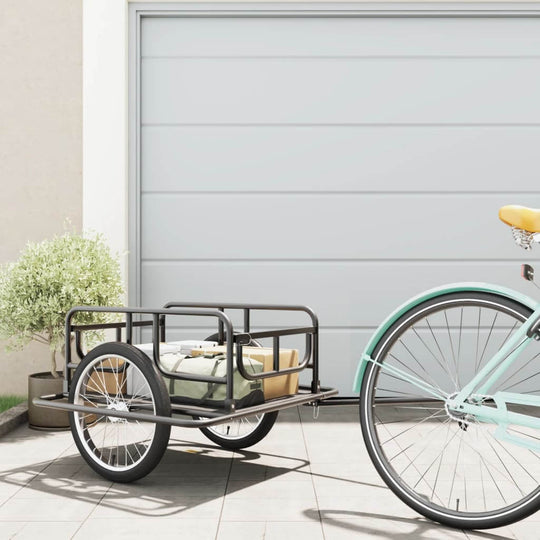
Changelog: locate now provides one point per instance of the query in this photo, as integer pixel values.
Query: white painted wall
(105, 121)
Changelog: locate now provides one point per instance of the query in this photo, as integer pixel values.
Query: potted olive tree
(38, 290)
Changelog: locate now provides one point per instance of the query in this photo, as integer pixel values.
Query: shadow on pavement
(422, 528)
(189, 476)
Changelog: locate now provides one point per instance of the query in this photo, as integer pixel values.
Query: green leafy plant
(51, 277)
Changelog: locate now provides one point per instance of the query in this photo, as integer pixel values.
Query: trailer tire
(118, 376)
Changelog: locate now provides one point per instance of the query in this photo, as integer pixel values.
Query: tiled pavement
(307, 479)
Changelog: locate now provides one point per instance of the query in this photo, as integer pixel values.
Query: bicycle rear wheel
(450, 468)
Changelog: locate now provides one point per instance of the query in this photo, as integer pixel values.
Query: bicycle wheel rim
(113, 443)
(471, 510)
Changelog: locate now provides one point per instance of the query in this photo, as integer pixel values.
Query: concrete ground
(307, 479)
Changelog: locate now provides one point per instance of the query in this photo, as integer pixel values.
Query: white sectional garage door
(346, 163)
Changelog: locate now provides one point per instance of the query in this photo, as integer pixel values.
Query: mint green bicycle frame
(469, 399)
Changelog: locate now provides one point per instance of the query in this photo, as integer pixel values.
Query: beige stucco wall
(40, 139)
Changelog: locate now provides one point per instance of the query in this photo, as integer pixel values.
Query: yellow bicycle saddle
(521, 217)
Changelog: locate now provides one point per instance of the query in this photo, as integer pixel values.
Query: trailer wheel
(243, 432)
(119, 377)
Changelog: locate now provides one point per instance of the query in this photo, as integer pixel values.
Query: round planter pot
(42, 384)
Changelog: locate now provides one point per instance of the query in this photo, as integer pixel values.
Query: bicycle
(449, 398)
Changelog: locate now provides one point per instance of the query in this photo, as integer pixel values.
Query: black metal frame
(208, 416)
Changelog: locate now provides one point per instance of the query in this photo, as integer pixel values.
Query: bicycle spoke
(487, 339)
(514, 374)
(441, 455)
(451, 344)
(414, 466)
(503, 464)
(477, 340)
(411, 427)
(422, 385)
(424, 448)
(455, 469)
(443, 356)
(435, 460)
(429, 349)
(419, 363)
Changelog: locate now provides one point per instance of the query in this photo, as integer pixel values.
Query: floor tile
(241, 530)
(329, 486)
(503, 533)
(284, 509)
(270, 489)
(293, 530)
(271, 530)
(48, 530)
(167, 487)
(8, 529)
(192, 529)
(369, 502)
(159, 506)
(7, 491)
(46, 508)
(70, 487)
(341, 527)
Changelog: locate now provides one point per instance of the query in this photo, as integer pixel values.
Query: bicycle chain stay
(503, 418)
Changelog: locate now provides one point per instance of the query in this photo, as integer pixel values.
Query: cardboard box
(110, 377)
(105, 379)
(273, 387)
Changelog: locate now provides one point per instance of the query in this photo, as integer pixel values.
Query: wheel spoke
(443, 356)
(410, 427)
(487, 339)
(429, 349)
(237, 429)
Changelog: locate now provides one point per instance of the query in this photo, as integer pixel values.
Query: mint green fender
(427, 295)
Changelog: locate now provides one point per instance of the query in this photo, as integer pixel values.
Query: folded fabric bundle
(215, 366)
(176, 357)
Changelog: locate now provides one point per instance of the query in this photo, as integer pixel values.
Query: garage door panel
(272, 36)
(302, 226)
(345, 294)
(343, 91)
(329, 158)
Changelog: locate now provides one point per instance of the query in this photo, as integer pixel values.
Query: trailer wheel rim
(98, 434)
(237, 429)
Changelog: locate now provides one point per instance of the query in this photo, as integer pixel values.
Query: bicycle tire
(473, 439)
